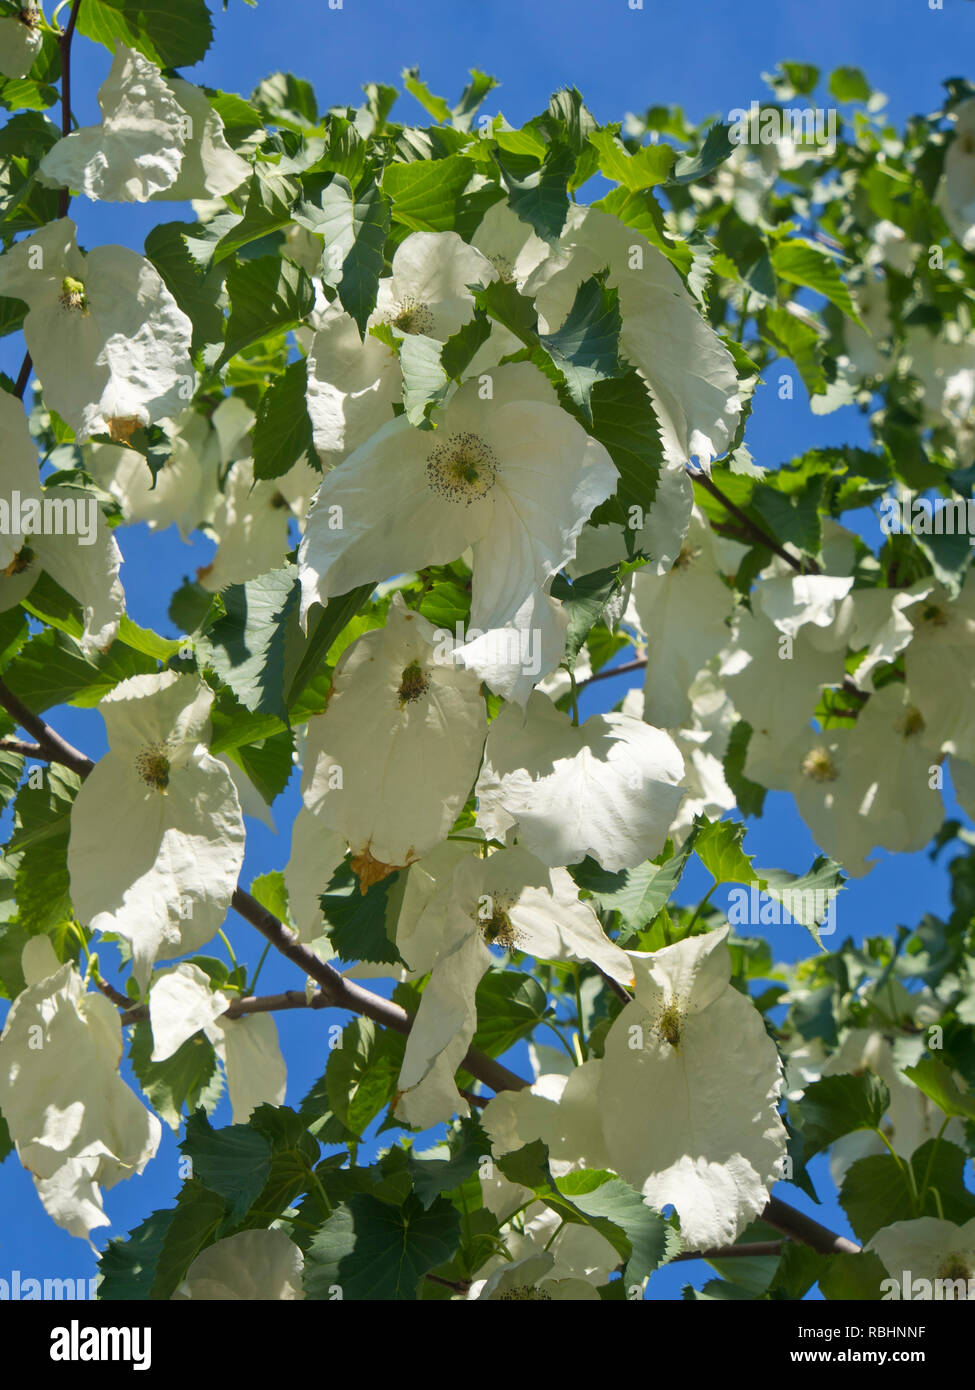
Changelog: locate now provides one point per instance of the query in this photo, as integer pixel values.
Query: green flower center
(670, 1022)
(462, 469)
(936, 616)
(153, 767)
(413, 684)
(956, 1267)
(504, 267)
(525, 1293)
(498, 928)
(412, 316)
(911, 723)
(819, 766)
(73, 295)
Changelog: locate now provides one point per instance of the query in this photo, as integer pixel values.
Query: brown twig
(751, 527)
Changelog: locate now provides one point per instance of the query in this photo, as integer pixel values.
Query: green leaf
(624, 423)
(848, 1277)
(718, 845)
(510, 1006)
(636, 894)
(644, 169)
(839, 1105)
(394, 1247)
(233, 1162)
(128, 1267)
(193, 1226)
(362, 1072)
(361, 925)
(586, 348)
(648, 1234)
(808, 899)
(271, 892)
(283, 431)
(189, 1079)
(938, 1083)
(431, 1176)
(171, 33)
(331, 1245)
(538, 192)
(427, 195)
(246, 646)
(749, 796)
(584, 600)
(425, 383)
(849, 84)
(267, 208)
(877, 1191)
(716, 149)
(471, 98)
(799, 342)
(42, 823)
(196, 289)
(323, 630)
(436, 106)
(802, 263)
(355, 226)
(266, 294)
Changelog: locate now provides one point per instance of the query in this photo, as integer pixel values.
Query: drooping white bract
(248, 1267)
(182, 1002)
(945, 367)
(703, 743)
(863, 344)
(184, 489)
(687, 1092)
(157, 837)
(20, 44)
(685, 614)
(928, 1249)
(689, 373)
(393, 758)
(511, 900)
(860, 787)
(157, 138)
(39, 531)
(911, 1119)
(940, 668)
(510, 244)
(78, 1128)
(609, 788)
(251, 522)
(956, 192)
(513, 659)
(353, 384)
(660, 536)
(108, 340)
(892, 247)
(513, 476)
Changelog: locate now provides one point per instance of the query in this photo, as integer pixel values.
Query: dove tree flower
(39, 533)
(157, 138)
(157, 837)
(77, 1126)
(510, 900)
(107, 338)
(182, 1003)
(392, 760)
(508, 473)
(927, 1258)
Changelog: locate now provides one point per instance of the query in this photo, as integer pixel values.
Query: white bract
(509, 900)
(392, 760)
(689, 373)
(39, 531)
(248, 1267)
(157, 837)
(106, 337)
(956, 192)
(157, 138)
(940, 668)
(78, 1128)
(931, 1250)
(20, 44)
(609, 788)
(513, 476)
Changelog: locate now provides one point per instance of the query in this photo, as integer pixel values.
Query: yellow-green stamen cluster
(911, 723)
(413, 684)
(153, 766)
(412, 316)
(819, 766)
(498, 928)
(525, 1293)
(73, 295)
(670, 1022)
(462, 469)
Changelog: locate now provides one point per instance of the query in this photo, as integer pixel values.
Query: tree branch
(751, 527)
(726, 1252)
(23, 376)
(64, 44)
(338, 992)
(53, 747)
(26, 750)
(624, 668)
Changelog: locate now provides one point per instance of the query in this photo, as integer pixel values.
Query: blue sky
(706, 55)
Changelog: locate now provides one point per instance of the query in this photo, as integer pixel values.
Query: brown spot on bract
(121, 428)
